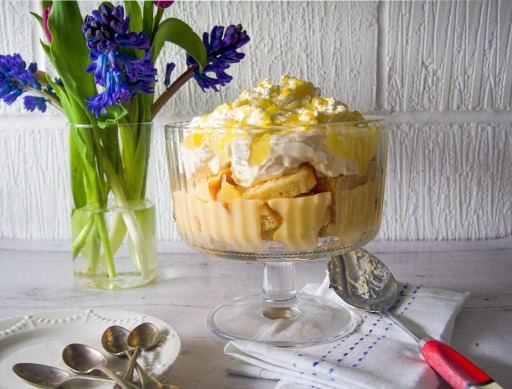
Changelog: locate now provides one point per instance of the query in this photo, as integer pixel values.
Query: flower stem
(129, 217)
(103, 232)
(173, 88)
(156, 24)
(53, 100)
(117, 234)
(81, 239)
(95, 251)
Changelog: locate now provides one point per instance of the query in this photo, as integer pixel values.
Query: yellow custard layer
(236, 223)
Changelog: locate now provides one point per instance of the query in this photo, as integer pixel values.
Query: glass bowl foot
(310, 320)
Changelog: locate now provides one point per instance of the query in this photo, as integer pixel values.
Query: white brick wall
(442, 70)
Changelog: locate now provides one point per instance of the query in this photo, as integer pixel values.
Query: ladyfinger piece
(287, 186)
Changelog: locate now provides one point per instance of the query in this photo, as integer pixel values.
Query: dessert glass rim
(185, 125)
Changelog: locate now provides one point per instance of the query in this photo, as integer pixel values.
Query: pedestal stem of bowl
(279, 290)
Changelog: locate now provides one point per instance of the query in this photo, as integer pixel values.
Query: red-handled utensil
(362, 281)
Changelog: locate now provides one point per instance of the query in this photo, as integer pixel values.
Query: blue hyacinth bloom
(11, 95)
(221, 48)
(120, 74)
(13, 66)
(14, 76)
(141, 86)
(168, 71)
(9, 92)
(32, 102)
(206, 82)
(116, 90)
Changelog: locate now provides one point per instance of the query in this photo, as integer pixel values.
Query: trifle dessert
(279, 170)
(280, 174)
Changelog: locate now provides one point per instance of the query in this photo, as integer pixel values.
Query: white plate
(41, 337)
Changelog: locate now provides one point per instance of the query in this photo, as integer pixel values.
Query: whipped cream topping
(253, 157)
(286, 153)
(290, 102)
(203, 161)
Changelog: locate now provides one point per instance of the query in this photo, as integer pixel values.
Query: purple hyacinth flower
(206, 82)
(32, 102)
(9, 92)
(13, 66)
(121, 75)
(99, 67)
(168, 71)
(221, 46)
(15, 77)
(116, 90)
(5, 85)
(141, 86)
(133, 40)
(108, 30)
(12, 96)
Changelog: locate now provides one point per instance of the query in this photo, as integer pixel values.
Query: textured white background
(441, 70)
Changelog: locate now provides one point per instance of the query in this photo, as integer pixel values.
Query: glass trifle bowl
(232, 199)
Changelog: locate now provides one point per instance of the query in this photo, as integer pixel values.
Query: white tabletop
(36, 276)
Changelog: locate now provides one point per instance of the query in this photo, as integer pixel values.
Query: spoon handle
(147, 381)
(453, 367)
(124, 384)
(90, 378)
(128, 373)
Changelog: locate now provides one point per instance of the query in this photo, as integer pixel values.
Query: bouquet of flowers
(105, 87)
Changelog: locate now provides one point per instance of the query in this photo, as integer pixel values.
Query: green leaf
(180, 33)
(115, 113)
(145, 107)
(78, 189)
(138, 166)
(77, 175)
(132, 8)
(47, 50)
(83, 138)
(134, 111)
(74, 112)
(70, 55)
(110, 142)
(148, 18)
(39, 19)
(64, 100)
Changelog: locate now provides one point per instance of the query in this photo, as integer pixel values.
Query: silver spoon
(144, 336)
(114, 341)
(82, 359)
(48, 377)
(364, 282)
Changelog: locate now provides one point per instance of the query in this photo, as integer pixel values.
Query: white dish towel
(377, 354)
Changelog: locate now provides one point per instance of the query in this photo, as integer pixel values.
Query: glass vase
(113, 221)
